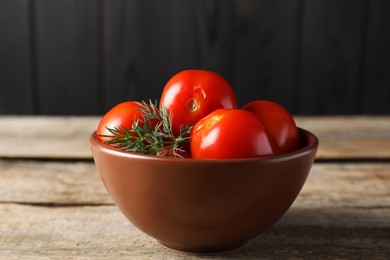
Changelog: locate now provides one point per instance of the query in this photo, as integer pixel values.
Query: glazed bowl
(204, 206)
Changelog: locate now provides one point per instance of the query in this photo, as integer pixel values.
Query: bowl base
(202, 251)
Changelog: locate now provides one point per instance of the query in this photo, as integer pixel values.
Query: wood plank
(147, 42)
(342, 211)
(138, 45)
(46, 137)
(136, 50)
(202, 36)
(346, 185)
(35, 182)
(350, 137)
(265, 52)
(67, 51)
(16, 88)
(29, 232)
(376, 95)
(69, 183)
(214, 42)
(68, 137)
(331, 55)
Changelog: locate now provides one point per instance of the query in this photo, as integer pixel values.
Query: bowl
(204, 206)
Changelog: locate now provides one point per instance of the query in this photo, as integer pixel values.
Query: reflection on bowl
(197, 205)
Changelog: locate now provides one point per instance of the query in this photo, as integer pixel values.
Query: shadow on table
(338, 232)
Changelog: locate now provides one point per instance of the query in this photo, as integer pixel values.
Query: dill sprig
(152, 135)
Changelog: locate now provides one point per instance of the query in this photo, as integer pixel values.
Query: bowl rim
(312, 146)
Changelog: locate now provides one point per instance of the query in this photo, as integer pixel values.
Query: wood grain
(46, 137)
(128, 33)
(70, 183)
(265, 59)
(331, 55)
(30, 232)
(376, 95)
(51, 183)
(57, 210)
(346, 137)
(340, 137)
(82, 57)
(147, 42)
(67, 57)
(251, 43)
(16, 86)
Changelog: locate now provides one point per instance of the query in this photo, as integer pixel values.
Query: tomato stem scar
(192, 105)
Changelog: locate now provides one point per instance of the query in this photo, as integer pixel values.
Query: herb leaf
(152, 135)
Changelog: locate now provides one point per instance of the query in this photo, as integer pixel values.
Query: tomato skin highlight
(278, 121)
(231, 133)
(193, 94)
(121, 115)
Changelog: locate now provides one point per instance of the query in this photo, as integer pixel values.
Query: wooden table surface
(54, 206)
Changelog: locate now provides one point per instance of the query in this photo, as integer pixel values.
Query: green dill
(152, 134)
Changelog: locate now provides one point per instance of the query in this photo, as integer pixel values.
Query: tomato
(122, 115)
(231, 133)
(278, 121)
(193, 94)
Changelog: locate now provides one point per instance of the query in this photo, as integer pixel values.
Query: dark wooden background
(81, 57)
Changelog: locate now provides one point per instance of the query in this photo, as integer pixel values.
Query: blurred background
(82, 57)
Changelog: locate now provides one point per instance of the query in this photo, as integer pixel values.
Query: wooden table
(54, 206)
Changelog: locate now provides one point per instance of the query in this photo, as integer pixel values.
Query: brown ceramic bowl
(197, 205)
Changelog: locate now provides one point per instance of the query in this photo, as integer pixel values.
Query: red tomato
(231, 133)
(193, 94)
(278, 121)
(122, 115)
